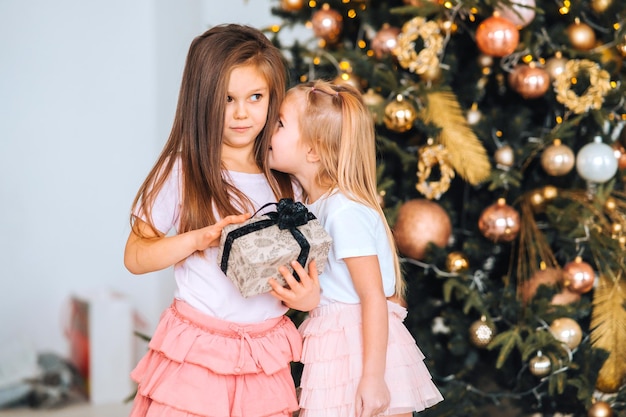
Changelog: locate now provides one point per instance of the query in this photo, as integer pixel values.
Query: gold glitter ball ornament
(457, 262)
(481, 333)
(400, 115)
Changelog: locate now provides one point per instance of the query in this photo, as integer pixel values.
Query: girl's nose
(240, 111)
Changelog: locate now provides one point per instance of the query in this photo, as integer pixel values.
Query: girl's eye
(280, 123)
(229, 99)
(256, 97)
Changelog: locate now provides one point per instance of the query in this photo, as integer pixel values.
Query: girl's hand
(303, 295)
(210, 236)
(372, 397)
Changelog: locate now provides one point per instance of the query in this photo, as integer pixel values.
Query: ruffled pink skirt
(199, 366)
(332, 357)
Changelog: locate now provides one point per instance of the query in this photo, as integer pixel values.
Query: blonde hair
(338, 125)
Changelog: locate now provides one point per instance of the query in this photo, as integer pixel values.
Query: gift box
(251, 252)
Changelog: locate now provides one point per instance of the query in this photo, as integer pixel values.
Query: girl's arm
(372, 393)
(157, 251)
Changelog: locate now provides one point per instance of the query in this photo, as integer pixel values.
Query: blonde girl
(215, 353)
(359, 358)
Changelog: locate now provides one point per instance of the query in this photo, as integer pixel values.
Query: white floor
(77, 410)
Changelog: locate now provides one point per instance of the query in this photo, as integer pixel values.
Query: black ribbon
(288, 215)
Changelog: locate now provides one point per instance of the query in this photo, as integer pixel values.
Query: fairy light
(351, 13)
(316, 60)
(447, 4)
(617, 26)
(370, 53)
(499, 133)
(312, 4)
(362, 44)
(275, 28)
(527, 59)
(613, 84)
(344, 65)
(559, 120)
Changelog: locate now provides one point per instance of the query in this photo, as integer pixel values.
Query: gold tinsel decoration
(430, 156)
(467, 155)
(593, 97)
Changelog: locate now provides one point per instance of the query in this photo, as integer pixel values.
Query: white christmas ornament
(596, 161)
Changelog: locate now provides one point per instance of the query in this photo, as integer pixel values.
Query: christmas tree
(501, 169)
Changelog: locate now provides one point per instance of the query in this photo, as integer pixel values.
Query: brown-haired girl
(215, 353)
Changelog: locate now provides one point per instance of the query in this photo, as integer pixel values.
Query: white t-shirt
(199, 280)
(357, 230)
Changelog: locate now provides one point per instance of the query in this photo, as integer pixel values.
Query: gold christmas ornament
(578, 276)
(431, 156)
(555, 65)
(400, 115)
(530, 81)
(457, 262)
(504, 156)
(600, 6)
(558, 159)
(420, 222)
(600, 409)
(327, 24)
(593, 97)
(481, 333)
(291, 5)
(540, 365)
(497, 36)
(581, 36)
(567, 331)
(499, 222)
(428, 57)
(550, 192)
(385, 40)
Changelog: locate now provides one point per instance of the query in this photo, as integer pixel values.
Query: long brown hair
(196, 135)
(338, 125)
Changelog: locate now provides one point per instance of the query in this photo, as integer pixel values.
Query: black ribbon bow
(288, 215)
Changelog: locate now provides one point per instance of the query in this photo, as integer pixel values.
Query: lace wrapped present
(251, 252)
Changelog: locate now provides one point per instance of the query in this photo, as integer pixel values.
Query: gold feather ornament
(466, 153)
(608, 324)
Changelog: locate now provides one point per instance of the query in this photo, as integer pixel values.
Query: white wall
(87, 94)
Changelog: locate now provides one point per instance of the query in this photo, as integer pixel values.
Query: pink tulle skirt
(332, 357)
(199, 366)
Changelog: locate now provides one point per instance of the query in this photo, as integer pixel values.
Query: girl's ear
(312, 156)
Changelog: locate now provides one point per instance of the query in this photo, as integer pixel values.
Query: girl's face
(246, 107)
(287, 152)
